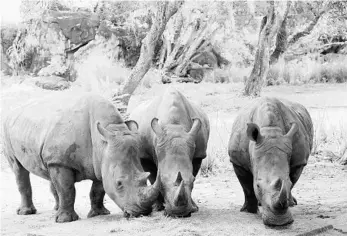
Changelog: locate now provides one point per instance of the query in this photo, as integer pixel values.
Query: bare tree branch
(165, 10)
(294, 38)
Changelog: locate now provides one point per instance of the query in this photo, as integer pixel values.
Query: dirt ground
(321, 191)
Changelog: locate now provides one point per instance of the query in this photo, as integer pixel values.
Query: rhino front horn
(181, 198)
(281, 201)
(149, 194)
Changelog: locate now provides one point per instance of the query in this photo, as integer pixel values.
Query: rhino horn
(142, 178)
(178, 179)
(149, 194)
(181, 198)
(281, 200)
(195, 127)
(292, 130)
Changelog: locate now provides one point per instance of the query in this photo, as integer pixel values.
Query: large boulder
(78, 27)
(46, 43)
(52, 83)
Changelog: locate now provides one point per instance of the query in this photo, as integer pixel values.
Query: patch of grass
(228, 74)
(308, 70)
(330, 136)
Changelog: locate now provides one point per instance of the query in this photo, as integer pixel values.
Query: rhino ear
(105, 134)
(253, 133)
(195, 127)
(132, 125)
(292, 130)
(155, 126)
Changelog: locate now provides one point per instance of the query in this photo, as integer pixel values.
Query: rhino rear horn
(156, 127)
(142, 178)
(253, 133)
(195, 127)
(178, 179)
(294, 128)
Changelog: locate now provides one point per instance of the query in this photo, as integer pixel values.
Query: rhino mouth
(174, 214)
(134, 214)
(178, 212)
(282, 218)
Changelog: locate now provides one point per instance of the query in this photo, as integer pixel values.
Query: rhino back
(57, 131)
(272, 112)
(172, 107)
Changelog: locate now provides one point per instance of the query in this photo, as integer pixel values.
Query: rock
(52, 83)
(78, 27)
(47, 42)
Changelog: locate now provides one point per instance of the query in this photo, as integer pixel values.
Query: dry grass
(229, 74)
(330, 136)
(308, 70)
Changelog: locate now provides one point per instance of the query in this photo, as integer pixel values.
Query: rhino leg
(63, 180)
(55, 195)
(24, 187)
(246, 181)
(294, 175)
(96, 195)
(196, 167)
(149, 166)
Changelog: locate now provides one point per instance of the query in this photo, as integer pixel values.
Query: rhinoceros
(73, 138)
(174, 135)
(269, 146)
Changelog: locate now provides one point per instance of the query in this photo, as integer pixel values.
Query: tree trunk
(255, 81)
(199, 42)
(281, 38)
(269, 29)
(165, 10)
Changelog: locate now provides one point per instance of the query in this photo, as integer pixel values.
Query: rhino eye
(119, 184)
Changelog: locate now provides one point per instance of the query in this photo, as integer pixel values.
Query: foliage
(33, 9)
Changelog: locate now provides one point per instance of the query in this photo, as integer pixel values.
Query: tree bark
(269, 29)
(199, 42)
(255, 81)
(281, 38)
(165, 10)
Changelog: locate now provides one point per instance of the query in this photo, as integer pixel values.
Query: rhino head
(123, 177)
(270, 154)
(175, 149)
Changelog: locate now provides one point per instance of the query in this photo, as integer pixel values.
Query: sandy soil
(321, 191)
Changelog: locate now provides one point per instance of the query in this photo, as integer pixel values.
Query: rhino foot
(66, 216)
(26, 210)
(251, 208)
(98, 211)
(292, 201)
